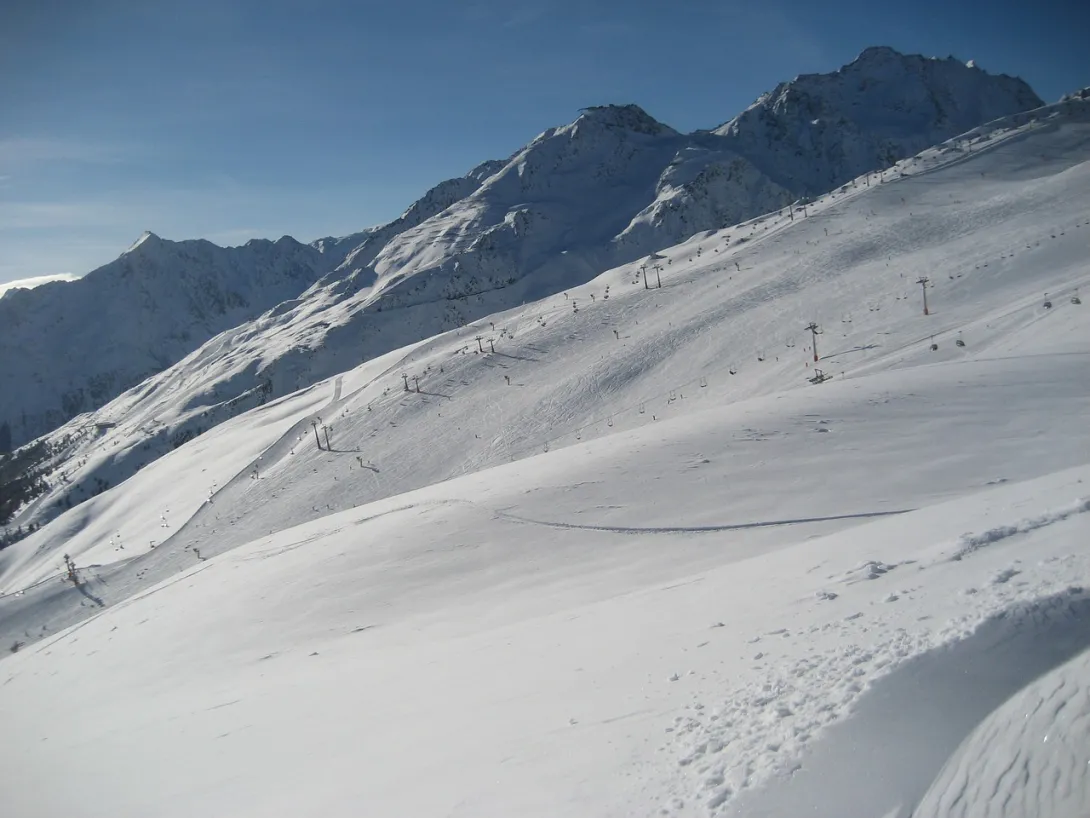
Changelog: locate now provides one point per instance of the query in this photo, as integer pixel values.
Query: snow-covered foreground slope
(516, 667)
(714, 594)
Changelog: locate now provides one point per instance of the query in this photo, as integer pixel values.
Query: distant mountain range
(190, 328)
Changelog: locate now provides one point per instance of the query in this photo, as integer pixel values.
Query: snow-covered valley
(613, 552)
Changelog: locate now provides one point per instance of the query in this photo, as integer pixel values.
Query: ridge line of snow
(969, 543)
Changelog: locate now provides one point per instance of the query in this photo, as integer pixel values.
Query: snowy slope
(731, 297)
(1029, 756)
(66, 351)
(606, 189)
(524, 668)
(719, 591)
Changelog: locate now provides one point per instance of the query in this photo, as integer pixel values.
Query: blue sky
(230, 120)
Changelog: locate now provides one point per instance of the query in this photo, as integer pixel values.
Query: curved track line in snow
(701, 529)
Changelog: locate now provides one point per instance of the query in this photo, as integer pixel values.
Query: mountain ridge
(606, 189)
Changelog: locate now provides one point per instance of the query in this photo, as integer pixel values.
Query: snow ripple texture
(1030, 757)
(763, 730)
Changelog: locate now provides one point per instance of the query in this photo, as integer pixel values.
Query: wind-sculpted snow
(1029, 758)
(767, 750)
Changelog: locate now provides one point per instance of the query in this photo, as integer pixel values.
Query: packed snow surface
(619, 556)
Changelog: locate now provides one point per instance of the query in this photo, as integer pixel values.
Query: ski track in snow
(973, 542)
(702, 529)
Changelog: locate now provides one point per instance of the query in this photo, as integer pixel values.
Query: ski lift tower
(812, 328)
(654, 260)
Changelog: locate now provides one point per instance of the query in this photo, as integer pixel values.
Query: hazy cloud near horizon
(36, 281)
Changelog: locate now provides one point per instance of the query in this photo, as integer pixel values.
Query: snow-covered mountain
(354, 252)
(609, 188)
(616, 184)
(622, 556)
(820, 129)
(69, 347)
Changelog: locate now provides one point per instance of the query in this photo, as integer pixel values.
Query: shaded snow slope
(1027, 758)
(996, 229)
(881, 108)
(70, 347)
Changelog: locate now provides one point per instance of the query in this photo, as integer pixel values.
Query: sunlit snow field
(632, 561)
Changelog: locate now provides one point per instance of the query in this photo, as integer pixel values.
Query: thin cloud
(25, 150)
(507, 15)
(36, 281)
(49, 215)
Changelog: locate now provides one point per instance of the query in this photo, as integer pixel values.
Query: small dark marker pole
(491, 345)
(326, 430)
(416, 383)
(317, 439)
(478, 339)
(405, 378)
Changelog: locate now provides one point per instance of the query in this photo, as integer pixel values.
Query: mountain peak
(630, 117)
(878, 53)
(147, 241)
